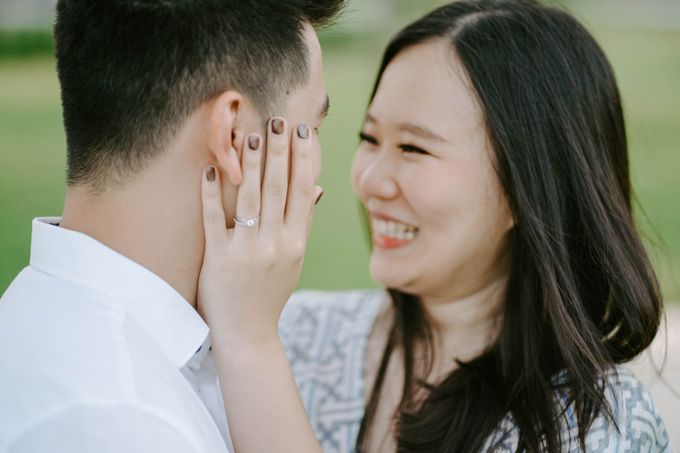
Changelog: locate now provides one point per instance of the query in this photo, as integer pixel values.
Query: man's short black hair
(132, 71)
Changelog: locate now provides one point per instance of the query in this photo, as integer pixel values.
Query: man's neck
(153, 221)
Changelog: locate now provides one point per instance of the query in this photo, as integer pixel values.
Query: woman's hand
(249, 273)
(247, 277)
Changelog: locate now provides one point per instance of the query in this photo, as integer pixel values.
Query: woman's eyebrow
(412, 128)
(421, 131)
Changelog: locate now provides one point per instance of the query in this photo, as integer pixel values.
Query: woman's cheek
(359, 164)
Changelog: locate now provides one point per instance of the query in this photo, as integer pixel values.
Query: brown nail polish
(210, 174)
(318, 199)
(277, 126)
(254, 142)
(303, 131)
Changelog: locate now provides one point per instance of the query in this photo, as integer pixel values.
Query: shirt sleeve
(637, 426)
(106, 429)
(640, 427)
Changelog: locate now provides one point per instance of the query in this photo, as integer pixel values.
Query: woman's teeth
(395, 230)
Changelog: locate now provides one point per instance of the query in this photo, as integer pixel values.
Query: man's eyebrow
(323, 112)
(412, 128)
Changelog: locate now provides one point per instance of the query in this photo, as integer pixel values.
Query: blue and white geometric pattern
(640, 428)
(325, 337)
(325, 334)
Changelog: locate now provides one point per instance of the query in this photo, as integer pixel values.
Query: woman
(494, 172)
(493, 168)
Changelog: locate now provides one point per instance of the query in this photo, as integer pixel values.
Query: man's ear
(224, 111)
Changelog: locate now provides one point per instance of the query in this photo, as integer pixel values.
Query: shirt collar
(168, 318)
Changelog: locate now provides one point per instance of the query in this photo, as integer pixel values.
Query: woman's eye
(413, 149)
(364, 137)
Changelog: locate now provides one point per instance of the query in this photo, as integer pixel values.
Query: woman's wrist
(243, 352)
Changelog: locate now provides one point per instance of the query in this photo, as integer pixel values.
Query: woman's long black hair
(582, 294)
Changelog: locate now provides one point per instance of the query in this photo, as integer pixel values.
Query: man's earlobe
(222, 130)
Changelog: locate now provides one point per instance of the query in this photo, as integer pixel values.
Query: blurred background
(642, 40)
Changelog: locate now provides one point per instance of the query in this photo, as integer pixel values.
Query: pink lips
(384, 242)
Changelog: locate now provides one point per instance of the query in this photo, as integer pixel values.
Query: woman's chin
(388, 276)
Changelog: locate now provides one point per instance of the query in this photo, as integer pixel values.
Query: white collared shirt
(98, 354)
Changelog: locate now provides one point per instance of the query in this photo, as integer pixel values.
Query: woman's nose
(377, 179)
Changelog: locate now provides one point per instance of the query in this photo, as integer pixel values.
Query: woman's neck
(464, 328)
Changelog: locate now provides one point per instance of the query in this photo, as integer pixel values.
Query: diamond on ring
(247, 222)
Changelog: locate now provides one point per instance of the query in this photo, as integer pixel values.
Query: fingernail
(277, 126)
(318, 199)
(303, 131)
(254, 142)
(210, 174)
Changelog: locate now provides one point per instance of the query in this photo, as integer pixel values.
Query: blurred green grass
(25, 42)
(32, 152)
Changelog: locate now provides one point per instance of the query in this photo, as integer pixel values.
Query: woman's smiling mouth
(390, 234)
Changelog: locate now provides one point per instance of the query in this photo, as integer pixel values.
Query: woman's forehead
(426, 84)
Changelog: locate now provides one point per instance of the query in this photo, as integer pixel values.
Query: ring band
(247, 222)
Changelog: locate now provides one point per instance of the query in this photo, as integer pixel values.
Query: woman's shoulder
(345, 298)
(635, 426)
(639, 426)
(312, 308)
(325, 335)
(315, 322)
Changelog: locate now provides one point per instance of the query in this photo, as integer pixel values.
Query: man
(103, 350)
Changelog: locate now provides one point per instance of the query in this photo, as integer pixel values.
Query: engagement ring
(247, 222)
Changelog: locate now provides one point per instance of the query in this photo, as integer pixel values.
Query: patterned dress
(326, 333)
